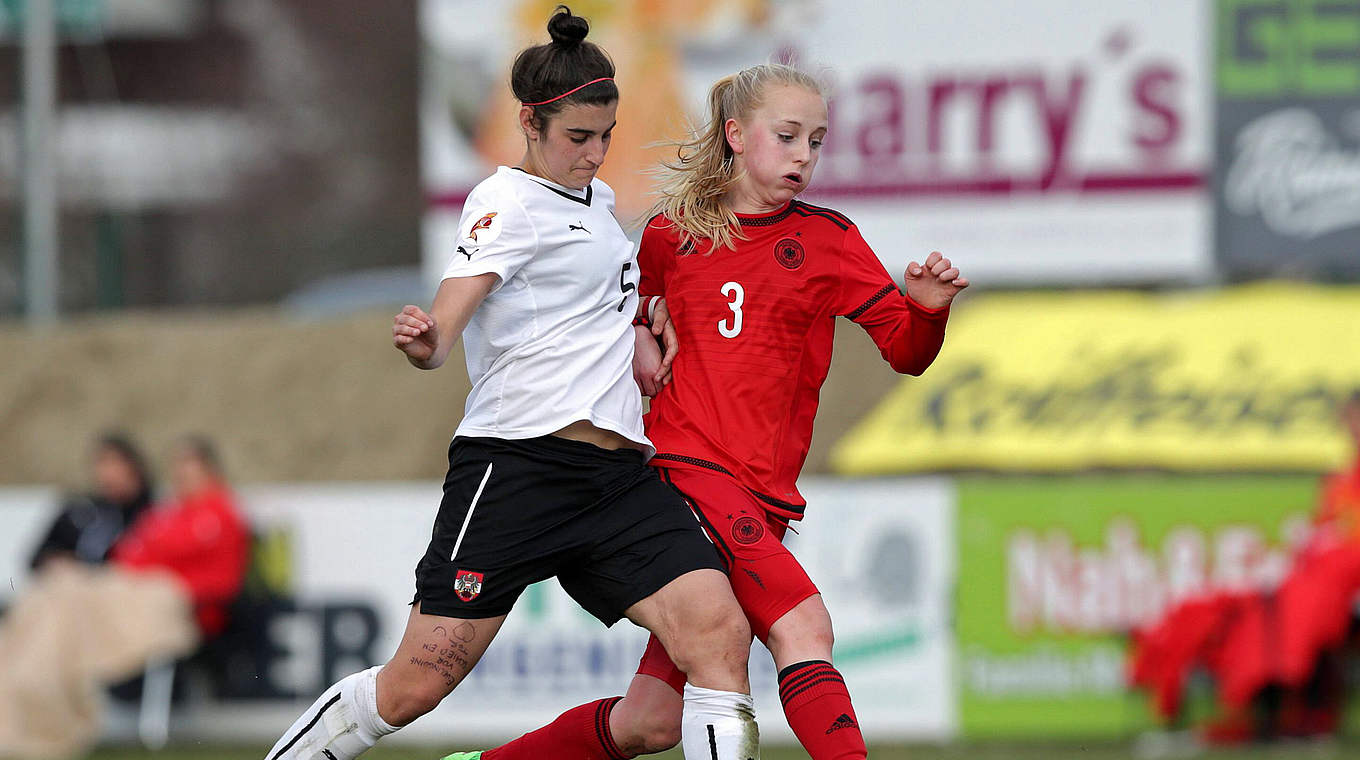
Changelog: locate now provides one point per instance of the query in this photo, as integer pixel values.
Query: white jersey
(553, 342)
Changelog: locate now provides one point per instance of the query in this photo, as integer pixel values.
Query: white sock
(364, 698)
(340, 725)
(719, 725)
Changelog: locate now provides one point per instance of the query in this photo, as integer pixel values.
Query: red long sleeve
(908, 335)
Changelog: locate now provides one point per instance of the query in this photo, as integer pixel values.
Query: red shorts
(766, 579)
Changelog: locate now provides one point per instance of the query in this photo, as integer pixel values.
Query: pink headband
(568, 92)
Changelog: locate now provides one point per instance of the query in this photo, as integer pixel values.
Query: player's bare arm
(647, 362)
(934, 284)
(664, 330)
(427, 337)
(653, 309)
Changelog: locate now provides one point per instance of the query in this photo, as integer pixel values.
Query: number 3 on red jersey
(734, 291)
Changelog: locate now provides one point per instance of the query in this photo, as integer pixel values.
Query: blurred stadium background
(209, 208)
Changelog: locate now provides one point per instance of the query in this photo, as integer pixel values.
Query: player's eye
(784, 136)
(579, 140)
(607, 135)
(815, 143)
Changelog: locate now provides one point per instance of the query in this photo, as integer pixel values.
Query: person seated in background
(200, 537)
(1274, 655)
(77, 628)
(88, 524)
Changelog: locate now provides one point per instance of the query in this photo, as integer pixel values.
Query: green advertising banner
(1053, 572)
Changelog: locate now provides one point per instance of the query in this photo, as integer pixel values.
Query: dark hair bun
(567, 30)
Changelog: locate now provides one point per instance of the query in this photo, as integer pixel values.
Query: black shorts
(517, 512)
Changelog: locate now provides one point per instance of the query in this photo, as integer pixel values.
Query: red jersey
(756, 326)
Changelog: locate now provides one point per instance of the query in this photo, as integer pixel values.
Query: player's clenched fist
(413, 334)
(936, 283)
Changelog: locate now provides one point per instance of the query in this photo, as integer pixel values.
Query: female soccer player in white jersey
(547, 471)
(752, 278)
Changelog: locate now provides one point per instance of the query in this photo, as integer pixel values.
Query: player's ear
(526, 122)
(732, 130)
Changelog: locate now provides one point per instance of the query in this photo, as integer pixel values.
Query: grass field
(1007, 751)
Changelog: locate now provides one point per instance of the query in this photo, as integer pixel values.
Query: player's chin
(582, 177)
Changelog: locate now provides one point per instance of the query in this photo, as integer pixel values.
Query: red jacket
(203, 540)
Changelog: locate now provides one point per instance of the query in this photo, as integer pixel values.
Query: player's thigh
(699, 623)
(435, 654)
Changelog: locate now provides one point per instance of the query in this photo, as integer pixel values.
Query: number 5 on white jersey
(734, 291)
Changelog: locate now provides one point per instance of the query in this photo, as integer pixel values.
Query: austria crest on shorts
(467, 585)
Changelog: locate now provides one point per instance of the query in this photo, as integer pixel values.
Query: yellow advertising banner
(1246, 378)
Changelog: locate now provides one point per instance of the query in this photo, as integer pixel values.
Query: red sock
(581, 733)
(818, 708)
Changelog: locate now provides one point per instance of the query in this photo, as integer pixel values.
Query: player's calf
(811, 690)
(402, 701)
(647, 720)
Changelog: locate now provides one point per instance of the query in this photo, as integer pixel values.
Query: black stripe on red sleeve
(831, 211)
(806, 210)
(875, 298)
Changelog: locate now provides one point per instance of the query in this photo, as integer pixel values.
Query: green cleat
(465, 756)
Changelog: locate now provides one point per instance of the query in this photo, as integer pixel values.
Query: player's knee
(648, 732)
(801, 636)
(735, 632)
(825, 638)
(721, 642)
(727, 632)
(648, 720)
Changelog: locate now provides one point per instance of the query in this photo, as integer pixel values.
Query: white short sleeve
(495, 235)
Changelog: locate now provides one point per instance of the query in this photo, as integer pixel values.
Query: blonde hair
(692, 187)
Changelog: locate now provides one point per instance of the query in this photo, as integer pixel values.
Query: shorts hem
(427, 607)
(762, 631)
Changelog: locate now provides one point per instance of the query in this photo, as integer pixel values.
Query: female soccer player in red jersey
(751, 278)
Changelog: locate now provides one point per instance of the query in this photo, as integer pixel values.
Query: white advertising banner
(1050, 142)
(881, 551)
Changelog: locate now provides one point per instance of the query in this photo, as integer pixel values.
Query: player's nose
(595, 152)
